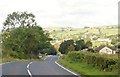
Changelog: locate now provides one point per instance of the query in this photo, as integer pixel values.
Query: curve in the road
(48, 67)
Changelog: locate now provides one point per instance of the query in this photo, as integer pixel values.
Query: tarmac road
(46, 68)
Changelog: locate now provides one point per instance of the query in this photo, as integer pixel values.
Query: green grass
(4, 60)
(11, 59)
(110, 31)
(83, 68)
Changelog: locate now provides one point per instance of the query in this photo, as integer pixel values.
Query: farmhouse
(103, 49)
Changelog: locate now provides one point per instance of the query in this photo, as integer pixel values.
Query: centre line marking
(28, 69)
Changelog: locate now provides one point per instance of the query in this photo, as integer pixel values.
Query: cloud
(74, 13)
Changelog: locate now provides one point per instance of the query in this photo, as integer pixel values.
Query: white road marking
(29, 73)
(65, 68)
(28, 69)
(30, 63)
(27, 66)
(51, 58)
(47, 57)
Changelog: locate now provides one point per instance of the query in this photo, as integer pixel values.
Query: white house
(103, 49)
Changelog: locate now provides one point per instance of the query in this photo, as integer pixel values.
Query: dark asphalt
(15, 68)
(36, 68)
(47, 67)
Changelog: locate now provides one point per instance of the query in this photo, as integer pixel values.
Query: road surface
(46, 68)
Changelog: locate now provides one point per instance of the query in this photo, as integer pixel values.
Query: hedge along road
(48, 67)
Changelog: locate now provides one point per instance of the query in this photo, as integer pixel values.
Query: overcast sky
(73, 13)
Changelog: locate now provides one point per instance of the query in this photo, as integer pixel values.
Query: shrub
(103, 62)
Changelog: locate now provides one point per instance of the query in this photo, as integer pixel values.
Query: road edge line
(65, 68)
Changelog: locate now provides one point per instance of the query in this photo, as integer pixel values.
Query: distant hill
(60, 33)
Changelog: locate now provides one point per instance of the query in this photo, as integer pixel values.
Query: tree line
(71, 45)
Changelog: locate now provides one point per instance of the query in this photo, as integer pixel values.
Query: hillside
(60, 33)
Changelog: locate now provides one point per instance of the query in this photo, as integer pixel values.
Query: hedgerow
(103, 62)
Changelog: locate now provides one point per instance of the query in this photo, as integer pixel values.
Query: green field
(60, 33)
(101, 43)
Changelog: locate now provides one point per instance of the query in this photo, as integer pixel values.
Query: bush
(103, 62)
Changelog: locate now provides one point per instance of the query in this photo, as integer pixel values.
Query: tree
(70, 48)
(25, 40)
(117, 45)
(86, 27)
(64, 46)
(80, 44)
(88, 43)
(16, 19)
(114, 41)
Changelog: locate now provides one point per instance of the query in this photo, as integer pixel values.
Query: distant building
(103, 39)
(103, 49)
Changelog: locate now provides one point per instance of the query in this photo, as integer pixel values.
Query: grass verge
(10, 59)
(85, 69)
(4, 60)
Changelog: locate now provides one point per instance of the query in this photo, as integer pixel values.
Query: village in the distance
(104, 39)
